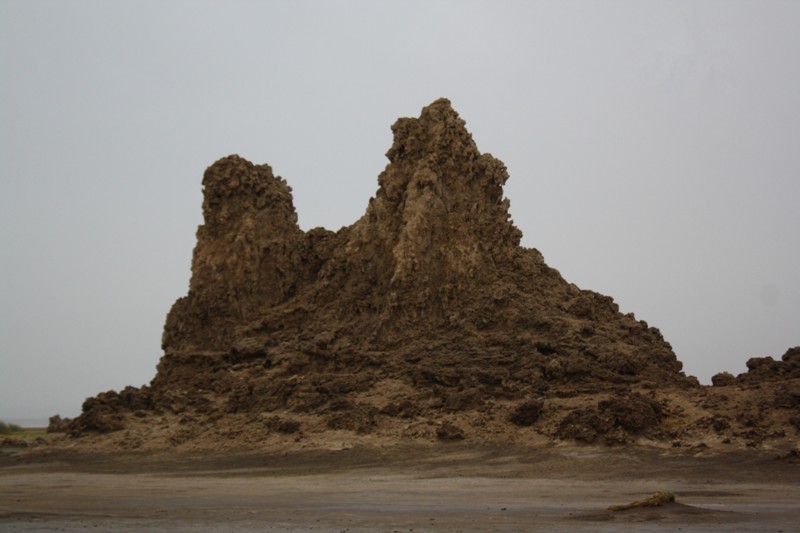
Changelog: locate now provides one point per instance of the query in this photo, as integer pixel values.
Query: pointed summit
(439, 213)
(438, 130)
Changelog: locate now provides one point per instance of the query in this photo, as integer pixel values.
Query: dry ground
(441, 487)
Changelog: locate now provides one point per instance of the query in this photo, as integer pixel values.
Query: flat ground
(442, 487)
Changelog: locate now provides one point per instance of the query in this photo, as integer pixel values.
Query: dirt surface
(442, 487)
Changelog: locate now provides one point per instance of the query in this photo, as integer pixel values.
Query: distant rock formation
(426, 310)
(56, 424)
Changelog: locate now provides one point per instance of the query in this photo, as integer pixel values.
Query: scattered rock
(282, 425)
(449, 432)
(656, 500)
(632, 412)
(14, 443)
(792, 457)
(527, 413)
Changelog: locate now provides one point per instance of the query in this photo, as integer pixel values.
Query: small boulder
(527, 413)
(723, 379)
(449, 432)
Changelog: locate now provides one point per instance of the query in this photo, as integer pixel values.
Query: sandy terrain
(451, 487)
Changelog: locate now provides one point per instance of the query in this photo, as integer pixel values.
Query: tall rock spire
(247, 256)
(439, 218)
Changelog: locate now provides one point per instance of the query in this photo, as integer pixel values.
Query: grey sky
(654, 152)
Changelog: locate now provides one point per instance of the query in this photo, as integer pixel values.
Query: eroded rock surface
(424, 319)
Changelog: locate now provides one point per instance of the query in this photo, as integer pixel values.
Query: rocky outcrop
(426, 310)
(56, 424)
(435, 260)
(768, 369)
(248, 256)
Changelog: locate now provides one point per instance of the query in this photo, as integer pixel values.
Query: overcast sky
(653, 147)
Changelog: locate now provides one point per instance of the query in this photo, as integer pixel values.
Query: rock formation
(424, 319)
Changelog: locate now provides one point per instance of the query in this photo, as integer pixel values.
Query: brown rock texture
(424, 319)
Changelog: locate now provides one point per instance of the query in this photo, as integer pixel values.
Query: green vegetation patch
(19, 433)
(8, 429)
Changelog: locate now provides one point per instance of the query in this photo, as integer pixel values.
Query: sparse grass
(8, 429)
(31, 433)
(20, 433)
(659, 498)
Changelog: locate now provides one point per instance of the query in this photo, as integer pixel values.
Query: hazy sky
(653, 147)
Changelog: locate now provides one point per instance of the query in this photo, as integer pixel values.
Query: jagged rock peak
(233, 185)
(438, 129)
(436, 151)
(440, 206)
